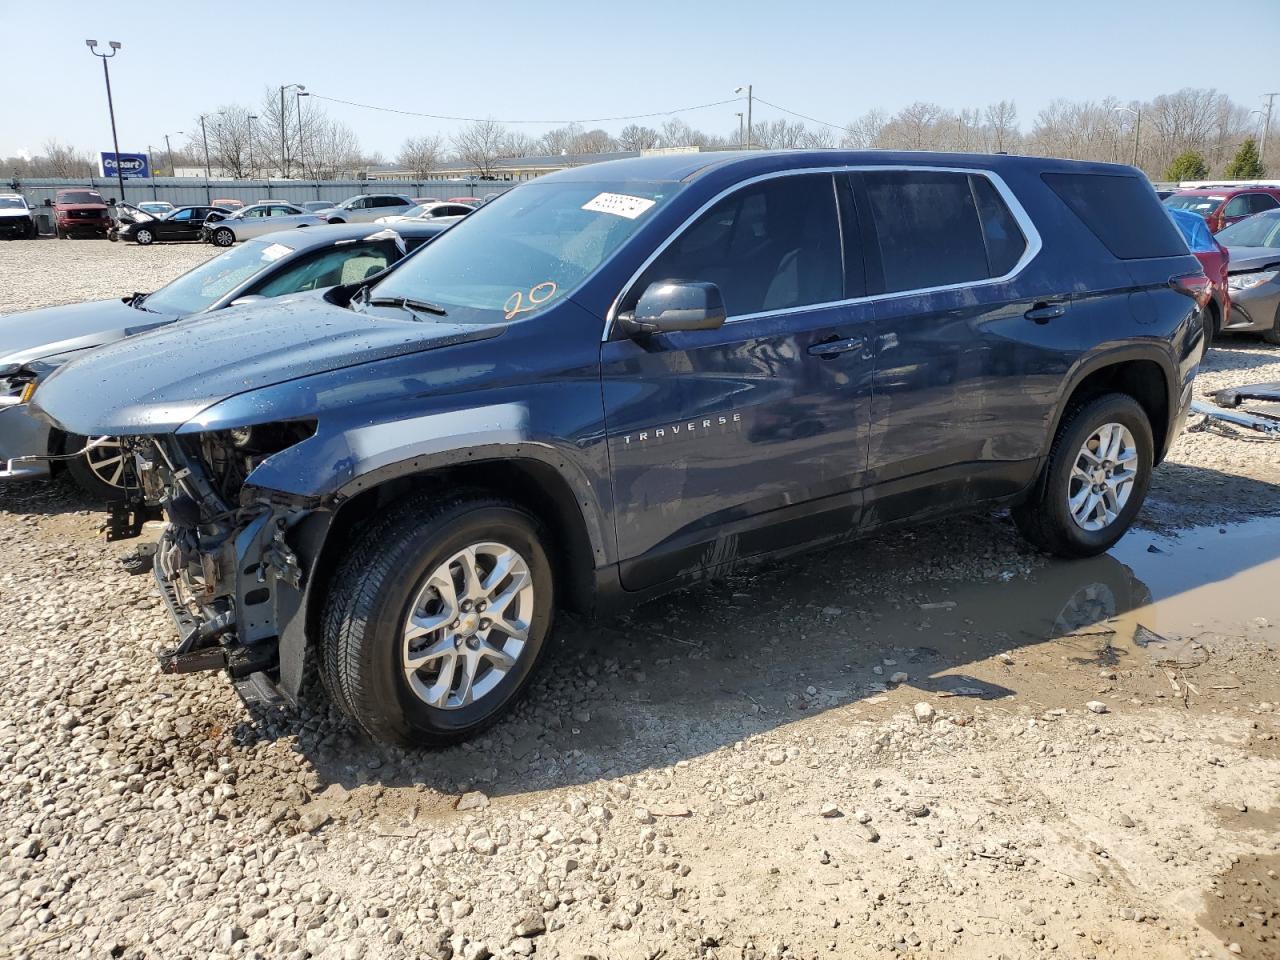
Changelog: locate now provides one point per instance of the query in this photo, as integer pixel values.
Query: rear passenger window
(1003, 236)
(770, 246)
(1121, 211)
(1258, 202)
(929, 229)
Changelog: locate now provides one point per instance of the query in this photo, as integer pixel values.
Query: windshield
(1262, 230)
(80, 196)
(12, 203)
(415, 210)
(1196, 204)
(198, 289)
(526, 251)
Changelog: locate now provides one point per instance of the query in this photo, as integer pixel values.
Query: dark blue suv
(627, 377)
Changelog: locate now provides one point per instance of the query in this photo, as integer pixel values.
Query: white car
(368, 207)
(256, 220)
(429, 211)
(16, 219)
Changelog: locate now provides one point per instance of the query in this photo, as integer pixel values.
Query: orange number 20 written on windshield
(519, 303)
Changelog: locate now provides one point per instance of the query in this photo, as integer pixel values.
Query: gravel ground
(933, 743)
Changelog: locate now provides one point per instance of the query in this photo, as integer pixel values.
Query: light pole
(252, 117)
(115, 141)
(742, 144)
(1137, 129)
(298, 95)
(284, 160)
(204, 135)
(749, 102)
(1266, 127)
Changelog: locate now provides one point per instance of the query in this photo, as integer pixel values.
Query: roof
(308, 238)
(689, 166)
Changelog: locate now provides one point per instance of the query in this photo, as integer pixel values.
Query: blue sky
(574, 59)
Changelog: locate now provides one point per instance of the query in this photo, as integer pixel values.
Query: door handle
(833, 348)
(1044, 312)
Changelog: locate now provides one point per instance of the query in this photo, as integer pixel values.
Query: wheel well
(530, 483)
(1143, 380)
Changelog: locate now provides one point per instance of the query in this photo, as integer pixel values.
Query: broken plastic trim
(1260, 422)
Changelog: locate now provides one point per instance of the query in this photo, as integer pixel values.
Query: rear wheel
(223, 237)
(1096, 478)
(435, 622)
(102, 471)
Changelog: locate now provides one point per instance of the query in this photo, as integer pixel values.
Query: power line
(436, 116)
(838, 126)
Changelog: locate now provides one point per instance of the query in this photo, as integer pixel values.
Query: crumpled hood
(159, 381)
(36, 334)
(1244, 259)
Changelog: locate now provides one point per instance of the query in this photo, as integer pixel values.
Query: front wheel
(1095, 480)
(144, 237)
(1273, 335)
(101, 472)
(434, 623)
(223, 237)
(336, 220)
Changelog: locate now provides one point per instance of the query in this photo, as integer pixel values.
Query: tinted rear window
(1121, 211)
(938, 228)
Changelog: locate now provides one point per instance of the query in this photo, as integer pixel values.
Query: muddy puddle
(1165, 600)
(1243, 907)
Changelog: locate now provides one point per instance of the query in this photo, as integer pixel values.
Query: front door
(752, 437)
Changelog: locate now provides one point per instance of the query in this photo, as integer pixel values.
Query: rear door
(969, 349)
(749, 438)
(183, 225)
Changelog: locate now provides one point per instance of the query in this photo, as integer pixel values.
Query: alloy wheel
(468, 625)
(107, 460)
(1102, 477)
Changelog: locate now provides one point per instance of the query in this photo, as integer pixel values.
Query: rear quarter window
(1120, 211)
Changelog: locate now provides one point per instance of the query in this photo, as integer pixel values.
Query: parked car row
(35, 343)
(612, 382)
(1234, 229)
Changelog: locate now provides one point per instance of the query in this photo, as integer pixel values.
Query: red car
(80, 212)
(1221, 206)
(1213, 258)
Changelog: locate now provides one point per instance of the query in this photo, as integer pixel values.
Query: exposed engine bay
(223, 558)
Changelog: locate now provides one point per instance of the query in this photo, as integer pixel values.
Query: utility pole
(1137, 133)
(169, 149)
(252, 117)
(115, 141)
(742, 143)
(284, 159)
(298, 95)
(1266, 127)
(204, 135)
(748, 113)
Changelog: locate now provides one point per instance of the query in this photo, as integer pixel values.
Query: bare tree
(422, 156)
(63, 160)
(819, 138)
(481, 144)
(1002, 124)
(635, 137)
(865, 131)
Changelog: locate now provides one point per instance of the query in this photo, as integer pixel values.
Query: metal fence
(181, 191)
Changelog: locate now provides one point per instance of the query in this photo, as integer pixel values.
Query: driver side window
(770, 246)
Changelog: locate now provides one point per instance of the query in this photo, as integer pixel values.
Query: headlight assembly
(1247, 281)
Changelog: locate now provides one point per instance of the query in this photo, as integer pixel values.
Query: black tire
(1045, 518)
(1212, 322)
(336, 220)
(223, 237)
(62, 234)
(144, 237)
(1273, 335)
(368, 603)
(33, 232)
(87, 479)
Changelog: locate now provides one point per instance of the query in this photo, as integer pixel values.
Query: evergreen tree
(1246, 164)
(1188, 165)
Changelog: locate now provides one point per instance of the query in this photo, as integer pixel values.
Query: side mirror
(670, 305)
(247, 298)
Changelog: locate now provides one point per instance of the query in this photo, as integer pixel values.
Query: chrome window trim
(1020, 216)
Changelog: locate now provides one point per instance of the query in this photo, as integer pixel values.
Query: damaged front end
(224, 563)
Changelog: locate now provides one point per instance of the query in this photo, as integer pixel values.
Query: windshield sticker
(518, 303)
(619, 204)
(275, 252)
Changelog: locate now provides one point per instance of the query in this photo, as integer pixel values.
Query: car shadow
(711, 665)
(53, 497)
